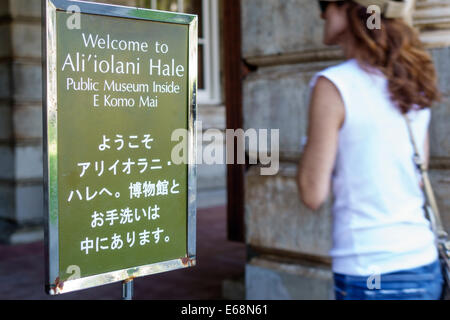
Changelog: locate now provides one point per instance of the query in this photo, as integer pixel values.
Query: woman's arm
(326, 116)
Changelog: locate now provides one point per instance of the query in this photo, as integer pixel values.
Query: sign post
(127, 290)
(119, 114)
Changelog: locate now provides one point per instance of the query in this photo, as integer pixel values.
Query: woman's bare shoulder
(326, 101)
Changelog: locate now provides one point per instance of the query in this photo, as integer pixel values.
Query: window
(208, 42)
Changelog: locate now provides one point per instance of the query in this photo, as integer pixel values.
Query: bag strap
(434, 216)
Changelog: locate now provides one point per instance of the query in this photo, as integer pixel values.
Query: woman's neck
(347, 45)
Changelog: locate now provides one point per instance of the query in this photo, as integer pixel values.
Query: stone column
(287, 243)
(20, 127)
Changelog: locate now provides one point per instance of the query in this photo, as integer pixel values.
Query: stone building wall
(287, 243)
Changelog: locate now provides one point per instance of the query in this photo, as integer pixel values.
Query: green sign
(119, 83)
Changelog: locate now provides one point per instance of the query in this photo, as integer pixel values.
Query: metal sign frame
(50, 132)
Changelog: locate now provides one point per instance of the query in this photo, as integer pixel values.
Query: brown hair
(395, 50)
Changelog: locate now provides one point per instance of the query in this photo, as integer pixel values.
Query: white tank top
(379, 224)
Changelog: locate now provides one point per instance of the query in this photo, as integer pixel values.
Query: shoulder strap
(434, 216)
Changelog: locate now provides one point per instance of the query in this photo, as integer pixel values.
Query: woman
(383, 247)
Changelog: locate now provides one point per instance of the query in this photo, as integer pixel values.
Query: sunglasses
(324, 4)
